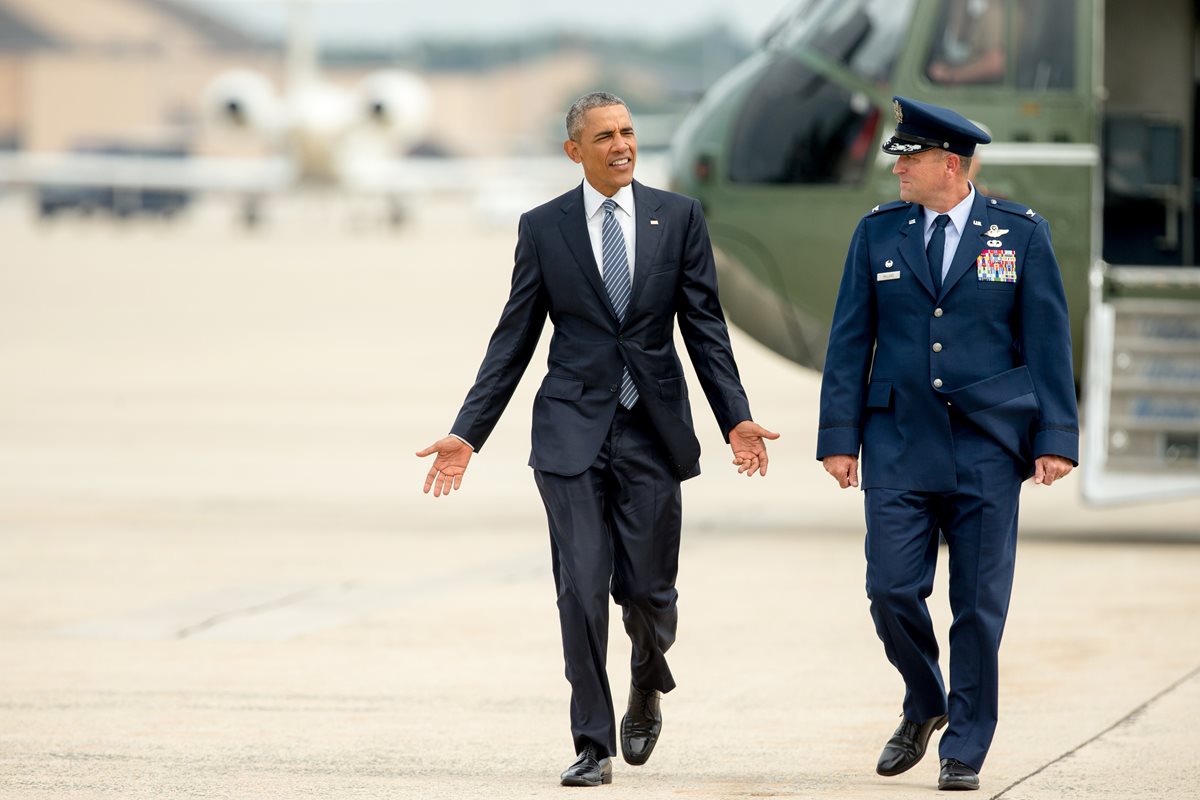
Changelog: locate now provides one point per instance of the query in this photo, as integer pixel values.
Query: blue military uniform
(951, 393)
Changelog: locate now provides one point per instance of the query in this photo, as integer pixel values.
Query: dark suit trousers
(979, 522)
(614, 528)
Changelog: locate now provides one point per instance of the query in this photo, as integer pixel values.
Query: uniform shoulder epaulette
(1014, 208)
(885, 207)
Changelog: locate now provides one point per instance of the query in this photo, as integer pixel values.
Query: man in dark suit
(949, 363)
(614, 264)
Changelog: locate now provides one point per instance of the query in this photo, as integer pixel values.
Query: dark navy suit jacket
(556, 275)
(994, 342)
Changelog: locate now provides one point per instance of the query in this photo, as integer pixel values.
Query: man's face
(923, 175)
(607, 149)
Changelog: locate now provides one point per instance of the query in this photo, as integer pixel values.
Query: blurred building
(79, 72)
(83, 74)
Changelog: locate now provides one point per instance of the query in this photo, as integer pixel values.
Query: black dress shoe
(588, 769)
(957, 775)
(907, 745)
(641, 725)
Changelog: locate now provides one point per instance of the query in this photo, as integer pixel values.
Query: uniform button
(937, 383)
(620, 338)
(614, 387)
(937, 312)
(937, 347)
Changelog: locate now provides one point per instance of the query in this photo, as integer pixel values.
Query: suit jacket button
(937, 312)
(937, 347)
(620, 338)
(937, 383)
(615, 387)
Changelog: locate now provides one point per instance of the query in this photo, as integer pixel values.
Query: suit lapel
(970, 244)
(575, 233)
(647, 237)
(912, 247)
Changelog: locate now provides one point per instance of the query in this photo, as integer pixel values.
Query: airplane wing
(231, 175)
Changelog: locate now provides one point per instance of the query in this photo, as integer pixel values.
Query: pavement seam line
(1131, 715)
(217, 619)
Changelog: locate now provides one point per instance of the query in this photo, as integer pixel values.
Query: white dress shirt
(954, 231)
(592, 207)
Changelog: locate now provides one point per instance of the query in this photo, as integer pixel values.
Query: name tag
(997, 266)
(887, 276)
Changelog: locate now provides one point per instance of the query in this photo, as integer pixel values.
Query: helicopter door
(1149, 140)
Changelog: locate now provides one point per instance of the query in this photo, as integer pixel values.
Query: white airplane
(318, 134)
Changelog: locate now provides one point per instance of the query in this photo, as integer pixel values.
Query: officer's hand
(843, 468)
(749, 450)
(1051, 468)
(448, 468)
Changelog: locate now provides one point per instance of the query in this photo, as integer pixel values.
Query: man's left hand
(749, 450)
(1051, 468)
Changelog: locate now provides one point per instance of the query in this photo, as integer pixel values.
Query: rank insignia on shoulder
(1030, 212)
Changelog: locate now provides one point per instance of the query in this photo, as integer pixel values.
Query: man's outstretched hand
(749, 450)
(453, 455)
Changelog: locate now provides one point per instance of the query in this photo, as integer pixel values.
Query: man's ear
(571, 148)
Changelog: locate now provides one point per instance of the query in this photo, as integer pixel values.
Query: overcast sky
(391, 21)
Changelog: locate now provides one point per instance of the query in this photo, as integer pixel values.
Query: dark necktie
(935, 251)
(616, 281)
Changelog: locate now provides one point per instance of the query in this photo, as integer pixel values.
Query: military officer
(949, 365)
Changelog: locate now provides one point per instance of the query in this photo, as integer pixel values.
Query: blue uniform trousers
(979, 522)
(615, 528)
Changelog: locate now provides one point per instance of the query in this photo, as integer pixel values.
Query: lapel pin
(888, 263)
(912, 222)
(977, 223)
(653, 222)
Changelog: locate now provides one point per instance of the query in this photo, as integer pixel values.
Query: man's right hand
(844, 469)
(453, 455)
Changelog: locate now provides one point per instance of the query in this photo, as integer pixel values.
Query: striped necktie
(616, 281)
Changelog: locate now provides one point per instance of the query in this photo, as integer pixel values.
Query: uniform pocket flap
(993, 391)
(879, 394)
(672, 388)
(562, 388)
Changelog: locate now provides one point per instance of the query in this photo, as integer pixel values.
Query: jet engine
(242, 98)
(396, 104)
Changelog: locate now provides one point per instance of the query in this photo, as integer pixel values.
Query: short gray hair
(585, 104)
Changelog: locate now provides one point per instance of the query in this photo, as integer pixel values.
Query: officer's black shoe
(588, 769)
(957, 775)
(907, 745)
(641, 725)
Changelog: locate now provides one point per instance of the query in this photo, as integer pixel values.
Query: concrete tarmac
(219, 577)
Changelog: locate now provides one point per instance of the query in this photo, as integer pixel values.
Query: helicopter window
(970, 43)
(1046, 58)
(975, 39)
(863, 35)
(799, 127)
